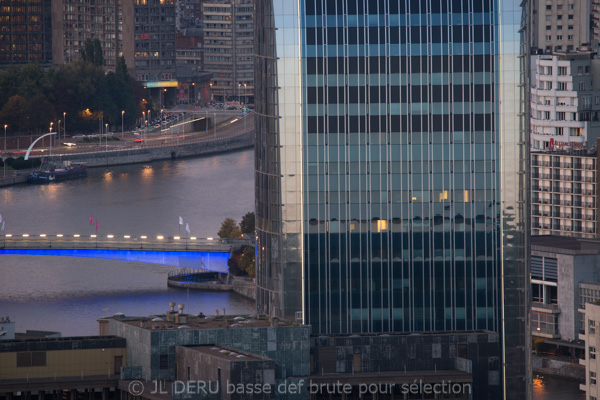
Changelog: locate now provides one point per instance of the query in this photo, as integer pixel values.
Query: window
(548, 27)
(562, 85)
(570, 27)
(591, 327)
(571, 6)
(559, 17)
(559, 27)
(31, 359)
(570, 16)
(559, 37)
(548, 6)
(592, 378)
(548, 38)
(546, 115)
(163, 362)
(579, 70)
(597, 100)
(562, 71)
(570, 37)
(592, 350)
(581, 86)
(559, 130)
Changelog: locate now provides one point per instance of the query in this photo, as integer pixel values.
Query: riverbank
(559, 368)
(211, 282)
(146, 154)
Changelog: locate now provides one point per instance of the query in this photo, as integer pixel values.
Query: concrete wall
(563, 369)
(149, 154)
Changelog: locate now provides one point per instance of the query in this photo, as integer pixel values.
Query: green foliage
(91, 52)
(43, 111)
(247, 261)
(14, 113)
(229, 229)
(31, 97)
(21, 163)
(247, 223)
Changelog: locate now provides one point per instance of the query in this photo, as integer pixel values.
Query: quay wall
(149, 154)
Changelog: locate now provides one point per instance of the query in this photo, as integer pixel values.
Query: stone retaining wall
(563, 369)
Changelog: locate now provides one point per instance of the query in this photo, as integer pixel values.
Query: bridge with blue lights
(206, 254)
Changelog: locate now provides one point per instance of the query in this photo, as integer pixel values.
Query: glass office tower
(391, 168)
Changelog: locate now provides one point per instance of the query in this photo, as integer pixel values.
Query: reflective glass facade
(391, 168)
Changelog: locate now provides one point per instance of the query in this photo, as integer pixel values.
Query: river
(69, 294)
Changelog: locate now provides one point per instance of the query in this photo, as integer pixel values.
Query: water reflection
(552, 388)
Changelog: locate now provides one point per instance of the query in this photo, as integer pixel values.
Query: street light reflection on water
(552, 388)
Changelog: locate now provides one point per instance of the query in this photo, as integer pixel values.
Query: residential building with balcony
(563, 194)
(560, 25)
(558, 266)
(109, 21)
(565, 101)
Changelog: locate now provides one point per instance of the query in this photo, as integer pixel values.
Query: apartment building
(109, 21)
(25, 32)
(591, 338)
(228, 48)
(563, 194)
(565, 101)
(562, 270)
(560, 25)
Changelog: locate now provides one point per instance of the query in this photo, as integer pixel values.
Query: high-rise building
(109, 21)
(560, 25)
(25, 32)
(392, 169)
(565, 101)
(564, 198)
(229, 48)
(155, 41)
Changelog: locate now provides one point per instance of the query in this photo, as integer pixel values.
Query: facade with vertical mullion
(403, 192)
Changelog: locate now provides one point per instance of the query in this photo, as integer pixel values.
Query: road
(168, 136)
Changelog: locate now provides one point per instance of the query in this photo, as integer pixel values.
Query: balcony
(545, 308)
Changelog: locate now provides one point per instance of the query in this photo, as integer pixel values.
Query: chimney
(180, 307)
(172, 305)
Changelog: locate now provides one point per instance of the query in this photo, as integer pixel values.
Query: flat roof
(226, 353)
(159, 322)
(565, 244)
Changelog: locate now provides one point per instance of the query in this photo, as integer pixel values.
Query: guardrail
(173, 141)
(115, 242)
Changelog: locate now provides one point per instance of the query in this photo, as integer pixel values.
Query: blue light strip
(209, 261)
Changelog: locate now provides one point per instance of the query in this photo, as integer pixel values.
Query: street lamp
(245, 94)
(122, 115)
(64, 125)
(51, 123)
(58, 133)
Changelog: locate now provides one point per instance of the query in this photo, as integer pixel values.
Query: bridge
(206, 254)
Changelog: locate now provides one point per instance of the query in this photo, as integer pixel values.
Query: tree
(14, 113)
(42, 109)
(229, 229)
(91, 52)
(247, 223)
(247, 261)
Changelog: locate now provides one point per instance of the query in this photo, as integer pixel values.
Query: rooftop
(565, 245)
(187, 321)
(227, 353)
